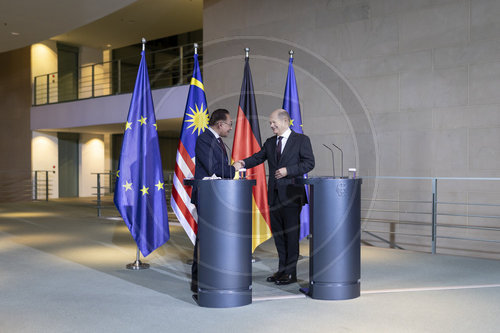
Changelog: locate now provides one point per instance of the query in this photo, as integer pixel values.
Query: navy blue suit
(210, 159)
(286, 199)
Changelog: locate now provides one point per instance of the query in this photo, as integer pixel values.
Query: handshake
(238, 165)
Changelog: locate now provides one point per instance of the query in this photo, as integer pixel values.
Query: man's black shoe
(286, 279)
(274, 277)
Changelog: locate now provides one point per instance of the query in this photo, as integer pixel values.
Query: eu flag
(291, 104)
(139, 190)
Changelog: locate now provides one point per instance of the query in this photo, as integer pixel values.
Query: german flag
(246, 143)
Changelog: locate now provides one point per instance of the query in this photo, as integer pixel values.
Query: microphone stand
(341, 160)
(333, 159)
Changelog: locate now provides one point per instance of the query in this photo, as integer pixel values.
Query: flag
(291, 104)
(195, 122)
(139, 189)
(247, 142)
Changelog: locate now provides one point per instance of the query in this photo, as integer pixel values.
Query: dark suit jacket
(298, 159)
(210, 159)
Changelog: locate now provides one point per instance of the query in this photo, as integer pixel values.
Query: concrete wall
(15, 135)
(44, 156)
(94, 155)
(92, 160)
(169, 103)
(406, 88)
(43, 63)
(88, 57)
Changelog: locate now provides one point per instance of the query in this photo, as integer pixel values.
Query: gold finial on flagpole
(291, 54)
(143, 43)
(195, 48)
(247, 50)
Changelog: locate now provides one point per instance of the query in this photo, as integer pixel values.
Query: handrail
(113, 78)
(43, 180)
(372, 215)
(167, 176)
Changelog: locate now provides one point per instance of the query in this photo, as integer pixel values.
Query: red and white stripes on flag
(195, 122)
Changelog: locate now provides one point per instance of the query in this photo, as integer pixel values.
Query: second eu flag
(291, 104)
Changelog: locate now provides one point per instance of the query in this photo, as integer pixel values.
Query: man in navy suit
(211, 159)
(289, 156)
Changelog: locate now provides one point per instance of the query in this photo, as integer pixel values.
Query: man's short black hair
(218, 115)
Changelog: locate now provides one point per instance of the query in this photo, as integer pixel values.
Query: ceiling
(151, 19)
(25, 22)
(95, 23)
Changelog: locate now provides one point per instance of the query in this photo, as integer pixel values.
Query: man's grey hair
(283, 114)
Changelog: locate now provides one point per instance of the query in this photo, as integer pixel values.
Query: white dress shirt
(285, 136)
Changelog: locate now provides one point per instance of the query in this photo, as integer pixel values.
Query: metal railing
(410, 213)
(167, 67)
(105, 189)
(42, 184)
(105, 182)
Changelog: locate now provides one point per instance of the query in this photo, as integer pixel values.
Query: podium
(224, 242)
(335, 259)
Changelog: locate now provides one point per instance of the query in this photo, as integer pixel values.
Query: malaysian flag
(195, 122)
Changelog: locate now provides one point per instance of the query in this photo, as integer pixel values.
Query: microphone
(341, 160)
(333, 160)
(221, 156)
(224, 164)
(230, 151)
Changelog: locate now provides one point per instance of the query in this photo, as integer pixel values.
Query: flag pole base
(137, 265)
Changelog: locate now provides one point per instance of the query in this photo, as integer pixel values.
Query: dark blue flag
(291, 104)
(139, 190)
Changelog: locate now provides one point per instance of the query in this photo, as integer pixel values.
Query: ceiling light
(15, 33)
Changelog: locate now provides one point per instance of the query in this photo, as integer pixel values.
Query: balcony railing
(408, 213)
(43, 184)
(167, 67)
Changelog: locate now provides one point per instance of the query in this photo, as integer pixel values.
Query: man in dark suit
(211, 159)
(289, 156)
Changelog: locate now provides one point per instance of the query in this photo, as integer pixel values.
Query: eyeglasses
(228, 124)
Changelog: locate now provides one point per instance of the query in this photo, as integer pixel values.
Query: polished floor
(63, 270)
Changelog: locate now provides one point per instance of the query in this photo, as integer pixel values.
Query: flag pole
(291, 54)
(138, 264)
(195, 45)
(247, 51)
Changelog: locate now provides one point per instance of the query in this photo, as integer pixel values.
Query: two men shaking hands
(289, 155)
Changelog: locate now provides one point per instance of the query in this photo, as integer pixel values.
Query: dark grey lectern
(334, 264)
(224, 242)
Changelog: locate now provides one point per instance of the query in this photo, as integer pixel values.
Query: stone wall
(406, 88)
(15, 135)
